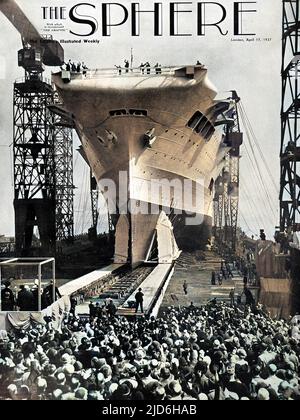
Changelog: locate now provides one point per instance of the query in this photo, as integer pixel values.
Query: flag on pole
(131, 59)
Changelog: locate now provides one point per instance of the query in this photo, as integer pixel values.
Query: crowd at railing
(80, 69)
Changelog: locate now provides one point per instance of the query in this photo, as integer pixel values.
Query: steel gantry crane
(226, 200)
(290, 119)
(43, 171)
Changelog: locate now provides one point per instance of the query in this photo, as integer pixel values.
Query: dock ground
(197, 274)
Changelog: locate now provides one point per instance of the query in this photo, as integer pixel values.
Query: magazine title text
(111, 16)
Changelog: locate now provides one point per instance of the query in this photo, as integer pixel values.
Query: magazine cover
(150, 196)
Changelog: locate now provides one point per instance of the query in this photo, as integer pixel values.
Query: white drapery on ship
(168, 250)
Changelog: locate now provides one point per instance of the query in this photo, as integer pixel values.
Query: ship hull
(137, 136)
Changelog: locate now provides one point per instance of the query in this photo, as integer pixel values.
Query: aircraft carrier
(152, 126)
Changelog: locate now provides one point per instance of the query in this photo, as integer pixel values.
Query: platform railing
(127, 72)
(23, 79)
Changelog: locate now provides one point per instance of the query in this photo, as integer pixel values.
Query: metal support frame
(94, 201)
(64, 183)
(226, 201)
(290, 119)
(43, 167)
(234, 197)
(34, 197)
(218, 216)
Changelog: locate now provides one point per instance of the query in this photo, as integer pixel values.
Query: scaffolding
(34, 182)
(235, 139)
(94, 201)
(43, 146)
(43, 168)
(64, 182)
(226, 200)
(290, 120)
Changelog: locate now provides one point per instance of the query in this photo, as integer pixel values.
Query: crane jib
(52, 53)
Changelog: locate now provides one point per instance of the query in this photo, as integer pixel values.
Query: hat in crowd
(57, 394)
(106, 371)
(154, 363)
(24, 393)
(78, 366)
(123, 390)
(61, 377)
(284, 386)
(263, 395)
(216, 344)
(19, 372)
(12, 389)
(81, 394)
(231, 395)
(242, 353)
(159, 392)
(94, 395)
(113, 388)
(97, 364)
(9, 362)
(41, 383)
(203, 397)
(74, 382)
(100, 378)
(69, 396)
(50, 369)
(65, 358)
(165, 373)
(147, 370)
(282, 374)
(175, 388)
(230, 369)
(289, 375)
(52, 353)
(140, 354)
(101, 362)
(273, 368)
(69, 369)
(168, 341)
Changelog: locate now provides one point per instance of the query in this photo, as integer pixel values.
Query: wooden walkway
(151, 287)
(76, 285)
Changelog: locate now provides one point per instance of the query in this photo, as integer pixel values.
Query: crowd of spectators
(215, 352)
(75, 67)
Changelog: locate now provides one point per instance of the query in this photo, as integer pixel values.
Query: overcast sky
(251, 68)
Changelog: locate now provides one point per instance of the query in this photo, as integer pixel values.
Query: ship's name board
(180, 18)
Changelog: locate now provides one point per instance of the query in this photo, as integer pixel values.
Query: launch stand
(37, 265)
